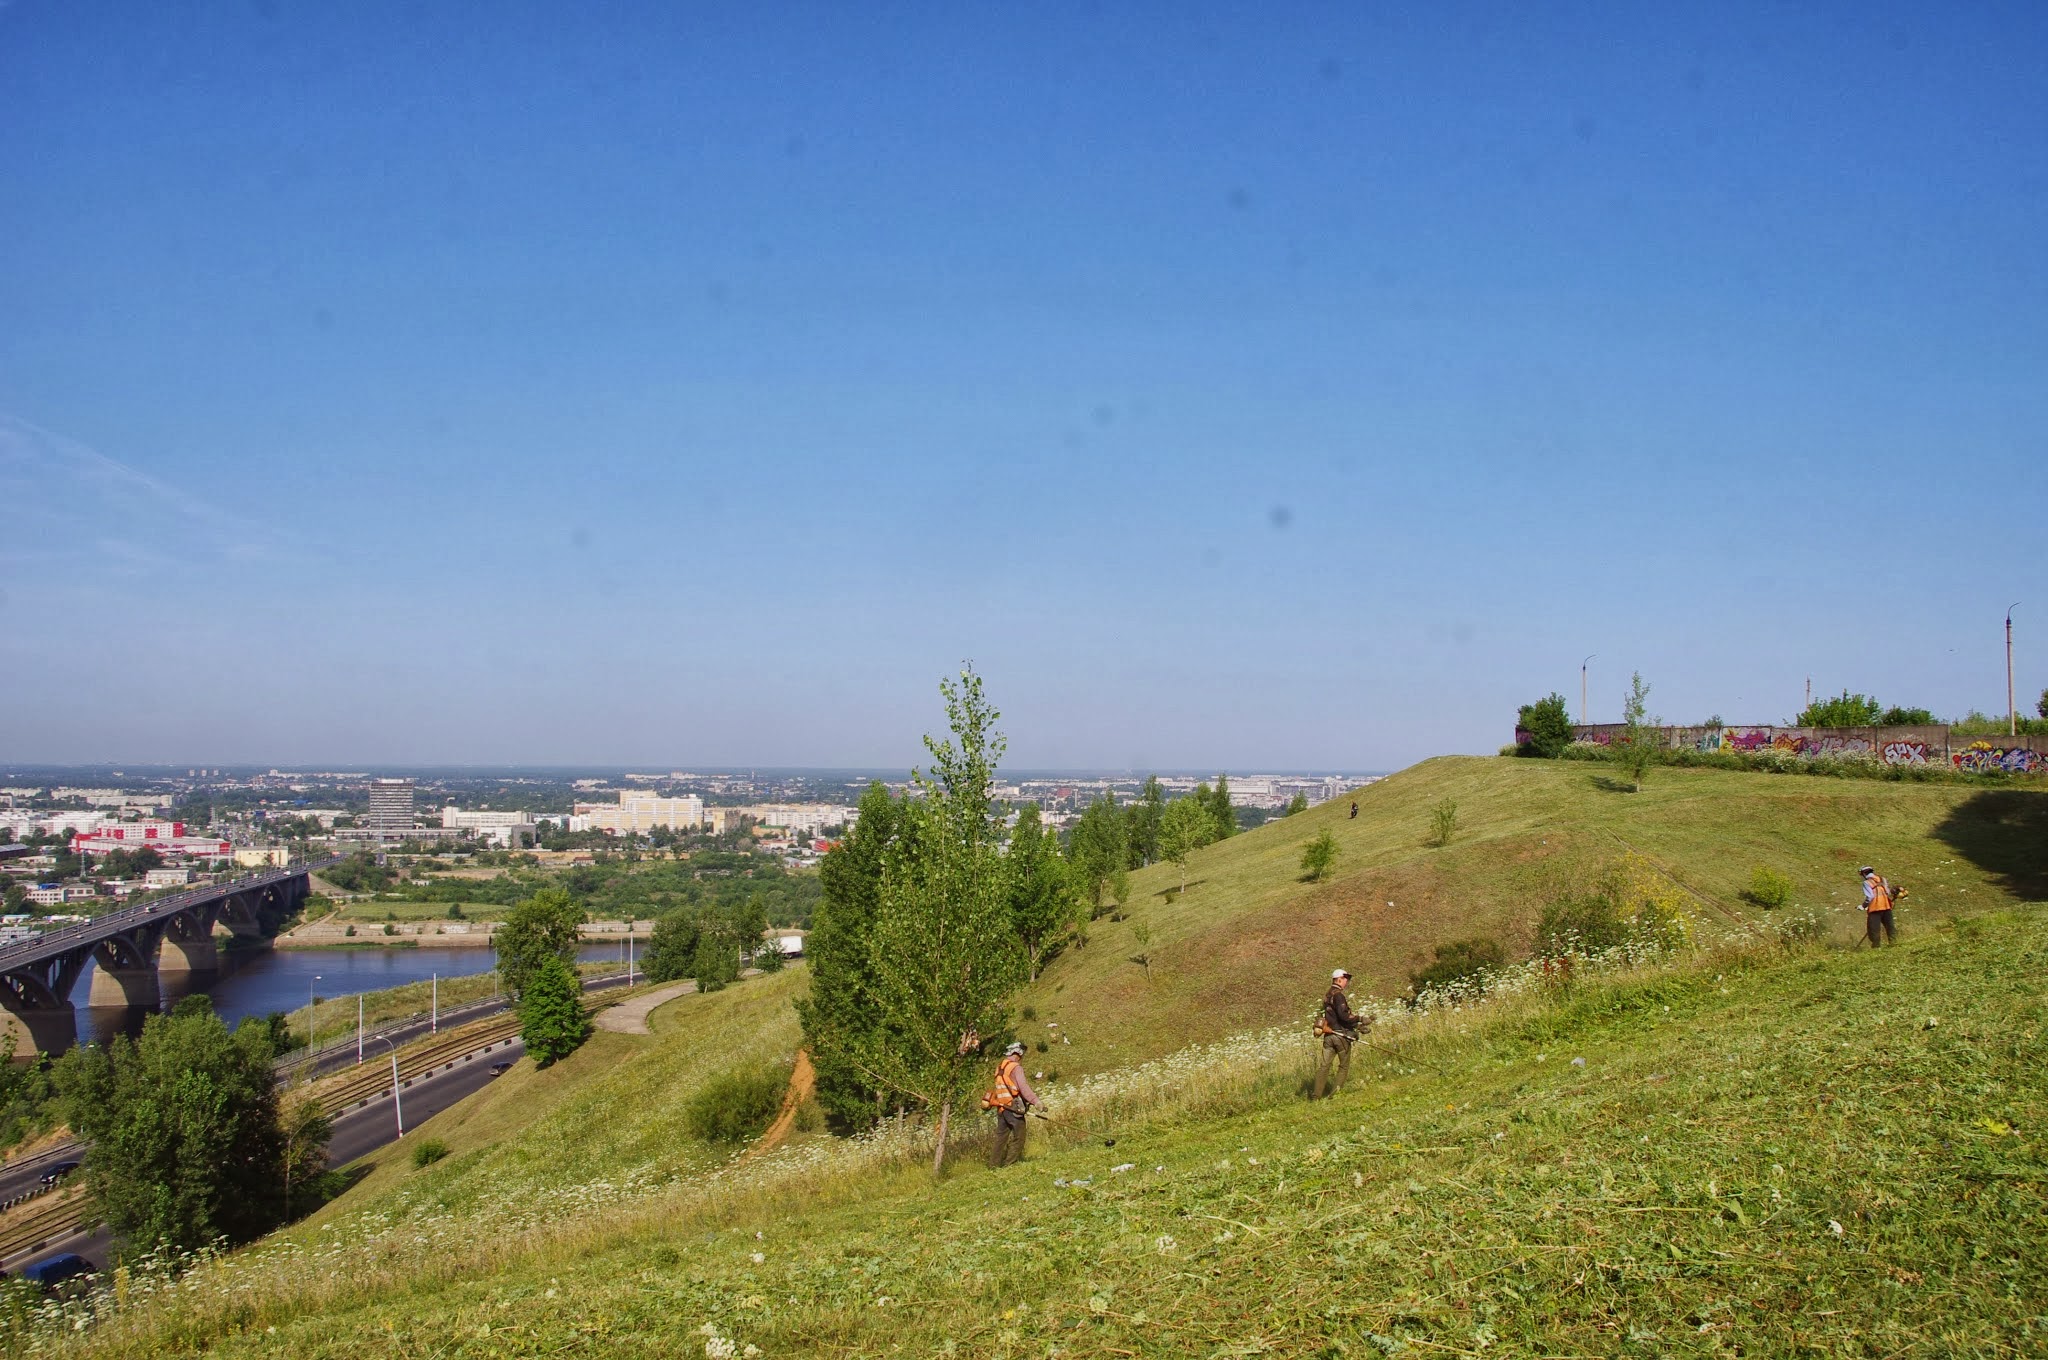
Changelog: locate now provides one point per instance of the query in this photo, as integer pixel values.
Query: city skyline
(394, 388)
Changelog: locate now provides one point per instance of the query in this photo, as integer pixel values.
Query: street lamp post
(2012, 713)
(312, 1016)
(397, 1110)
(1582, 688)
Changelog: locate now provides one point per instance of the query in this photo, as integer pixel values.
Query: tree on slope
(1185, 827)
(1220, 809)
(1635, 749)
(842, 1013)
(1141, 824)
(945, 949)
(672, 946)
(1042, 901)
(1545, 726)
(186, 1145)
(551, 1019)
(547, 925)
(1096, 848)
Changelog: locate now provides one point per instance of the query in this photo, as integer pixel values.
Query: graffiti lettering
(1905, 753)
(1984, 758)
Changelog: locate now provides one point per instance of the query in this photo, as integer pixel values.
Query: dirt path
(630, 1017)
(803, 1081)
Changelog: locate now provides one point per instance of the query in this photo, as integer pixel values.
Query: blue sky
(436, 383)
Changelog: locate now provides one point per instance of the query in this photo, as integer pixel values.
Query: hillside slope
(1826, 1152)
(1250, 944)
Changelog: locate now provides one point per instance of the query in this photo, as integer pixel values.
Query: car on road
(58, 1173)
(55, 1270)
(499, 1069)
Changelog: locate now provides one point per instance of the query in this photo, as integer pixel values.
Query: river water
(281, 980)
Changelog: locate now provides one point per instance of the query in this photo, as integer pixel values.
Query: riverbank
(332, 934)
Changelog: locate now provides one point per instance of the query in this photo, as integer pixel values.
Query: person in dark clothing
(1340, 1029)
(1354, 810)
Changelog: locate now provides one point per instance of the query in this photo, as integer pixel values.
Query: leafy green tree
(1635, 749)
(1042, 899)
(946, 953)
(545, 926)
(306, 1130)
(1318, 857)
(1546, 727)
(1096, 848)
(1298, 803)
(1443, 822)
(1905, 717)
(1141, 824)
(672, 946)
(16, 898)
(185, 1143)
(1220, 809)
(1186, 827)
(840, 956)
(551, 1019)
(1843, 710)
(716, 963)
(2042, 707)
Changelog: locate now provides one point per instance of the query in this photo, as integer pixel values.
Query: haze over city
(398, 386)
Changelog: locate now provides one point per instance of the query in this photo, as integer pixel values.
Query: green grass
(1474, 1192)
(1247, 943)
(1676, 1195)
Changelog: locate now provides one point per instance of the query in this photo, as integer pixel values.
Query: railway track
(67, 1212)
(63, 1215)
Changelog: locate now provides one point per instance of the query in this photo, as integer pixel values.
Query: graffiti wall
(1924, 745)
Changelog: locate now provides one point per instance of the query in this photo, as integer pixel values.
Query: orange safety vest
(1881, 897)
(1006, 1091)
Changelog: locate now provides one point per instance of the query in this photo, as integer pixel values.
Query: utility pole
(397, 1110)
(2012, 714)
(359, 1029)
(434, 1023)
(1582, 689)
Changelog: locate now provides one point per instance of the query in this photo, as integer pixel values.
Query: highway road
(356, 1134)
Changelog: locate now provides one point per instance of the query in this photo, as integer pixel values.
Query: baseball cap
(1336, 973)
(1013, 1048)
(1866, 871)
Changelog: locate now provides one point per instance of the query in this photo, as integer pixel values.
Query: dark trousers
(1881, 920)
(1337, 1047)
(1009, 1145)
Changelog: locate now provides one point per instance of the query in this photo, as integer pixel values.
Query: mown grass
(1246, 944)
(1821, 1153)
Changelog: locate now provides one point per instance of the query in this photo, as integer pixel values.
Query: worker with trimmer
(1011, 1098)
(1339, 1029)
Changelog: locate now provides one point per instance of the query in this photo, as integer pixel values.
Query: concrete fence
(1929, 744)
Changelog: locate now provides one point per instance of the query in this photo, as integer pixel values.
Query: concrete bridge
(134, 947)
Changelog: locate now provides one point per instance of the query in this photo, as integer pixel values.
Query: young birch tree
(945, 947)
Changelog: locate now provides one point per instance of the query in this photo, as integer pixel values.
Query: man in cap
(1340, 1029)
(1878, 897)
(1010, 1098)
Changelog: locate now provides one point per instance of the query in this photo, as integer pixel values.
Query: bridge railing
(112, 922)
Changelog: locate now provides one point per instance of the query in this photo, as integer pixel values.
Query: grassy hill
(1476, 1191)
(1250, 944)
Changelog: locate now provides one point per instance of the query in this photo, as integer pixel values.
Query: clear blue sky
(650, 383)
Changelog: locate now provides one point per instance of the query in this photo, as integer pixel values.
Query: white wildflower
(1834, 1227)
(1165, 1243)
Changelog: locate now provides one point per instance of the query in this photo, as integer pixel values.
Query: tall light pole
(1582, 688)
(397, 1110)
(312, 1014)
(2012, 714)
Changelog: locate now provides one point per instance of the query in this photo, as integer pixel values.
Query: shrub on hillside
(1548, 724)
(1768, 888)
(1443, 822)
(1318, 857)
(1633, 905)
(736, 1106)
(428, 1152)
(1459, 962)
(716, 962)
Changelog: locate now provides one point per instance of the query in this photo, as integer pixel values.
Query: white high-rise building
(499, 828)
(390, 806)
(642, 812)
